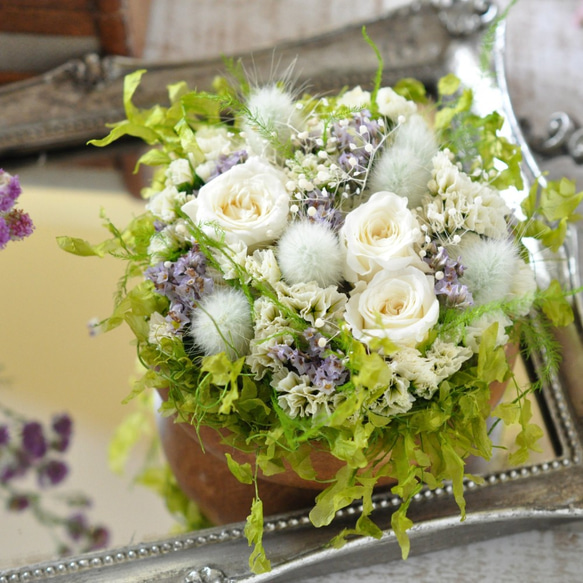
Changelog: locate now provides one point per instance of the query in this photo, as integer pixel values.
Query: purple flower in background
(99, 537)
(52, 473)
(18, 502)
(33, 440)
(19, 223)
(9, 190)
(62, 426)
(4, 435)
(76, 526)
(15, 224)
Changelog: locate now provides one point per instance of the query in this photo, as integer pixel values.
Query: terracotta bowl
(206, 479)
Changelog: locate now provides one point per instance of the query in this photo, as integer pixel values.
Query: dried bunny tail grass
(404, 167)
(310, 251)
(222, 323)
(490, 267)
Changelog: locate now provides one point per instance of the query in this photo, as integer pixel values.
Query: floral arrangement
(33, 452)
(338, 272)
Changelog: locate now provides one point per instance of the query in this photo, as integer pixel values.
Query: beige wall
(46, 298)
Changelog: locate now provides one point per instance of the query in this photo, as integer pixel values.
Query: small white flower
(380, 234)
(249, 202)
(312, 302)
(458, 203)
(355, 98)
(310, 252)
(473, 332)
(299, 398)
(229, 257)
(163, 204)
(393, 105)
(159, 328)
(271, 328)
(400, 306)
(179, 172)
(222, 323)
(395, 400)
(263, 266)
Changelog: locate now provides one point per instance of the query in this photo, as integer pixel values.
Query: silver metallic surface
(510, 500)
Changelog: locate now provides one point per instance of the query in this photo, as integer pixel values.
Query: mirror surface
(50, 361)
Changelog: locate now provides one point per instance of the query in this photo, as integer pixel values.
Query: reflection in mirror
(50, 362)
(53, 364)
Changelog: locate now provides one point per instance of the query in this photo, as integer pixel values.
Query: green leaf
(527, 439)
(492, 363)
(555, 306)
(528, 204)
(242, 472)
(455, 470)
(411, 89)
(338, 495)
(508, 412)
(130, 84)
(153, 158)
(79, 247)
(560, 200)
(448, 85)
(258, 562)
(400, 524)
(125, 437)
(127, 128)
(554, 238)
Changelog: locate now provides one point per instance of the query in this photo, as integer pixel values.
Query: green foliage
(379, 73)
(411, 89)
(548, 211)
(258, 561)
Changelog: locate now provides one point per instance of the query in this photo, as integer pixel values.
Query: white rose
(380, 234)
(249, 202)
(393, 105)
(355, 98)
(400, 306)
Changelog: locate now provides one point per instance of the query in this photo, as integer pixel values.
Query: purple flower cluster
(325, 211)
(450, 292)
(227, 161)
(27, 448)
(356, 141)
(80, 531)
(325, 371)
(183, 282)
(34, 449)
(14, 223)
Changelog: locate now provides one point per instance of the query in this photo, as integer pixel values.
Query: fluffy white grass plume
(491, 267)
(222, 322)
(310, 252)
(272, 116)
(404, 167)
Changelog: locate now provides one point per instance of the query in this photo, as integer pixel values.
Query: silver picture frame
(65, 107)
